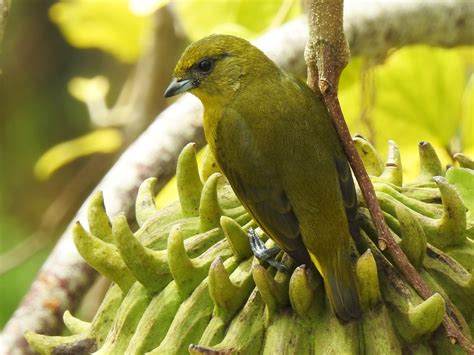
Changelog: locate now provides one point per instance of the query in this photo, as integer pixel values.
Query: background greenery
(52, 128)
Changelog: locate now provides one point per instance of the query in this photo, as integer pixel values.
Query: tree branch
(326, 54)
(374, 30)
(326, 40)
(65, 277)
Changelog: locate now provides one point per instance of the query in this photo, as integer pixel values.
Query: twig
(155, 152)
(327, 53)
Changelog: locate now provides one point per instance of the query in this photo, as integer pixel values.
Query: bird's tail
(341, 287)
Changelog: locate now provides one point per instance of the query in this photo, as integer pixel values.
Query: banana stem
(326, 55)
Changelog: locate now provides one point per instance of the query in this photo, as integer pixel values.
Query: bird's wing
(268, 203)
(348, 193)
(257, 186)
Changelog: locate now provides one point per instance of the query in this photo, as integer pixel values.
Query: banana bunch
(186, 281)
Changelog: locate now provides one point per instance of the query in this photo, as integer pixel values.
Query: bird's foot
(263, 253)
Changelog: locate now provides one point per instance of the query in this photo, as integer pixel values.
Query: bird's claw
(263, 253)
(258, 246)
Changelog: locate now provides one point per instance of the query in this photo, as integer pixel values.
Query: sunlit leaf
(350, 98)
(86, 90)
(109, 25)
(419, 95)
(350, 94)
(99, 141)
(467, 125)
(146, 7)
(463, 179)
(245, 18)
(233, 29)
(467, 53)
(258, 15)
(351, 74)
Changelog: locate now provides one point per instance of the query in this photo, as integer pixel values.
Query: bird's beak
(179, 86)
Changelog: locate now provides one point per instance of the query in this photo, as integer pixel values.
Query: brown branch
(326, 54)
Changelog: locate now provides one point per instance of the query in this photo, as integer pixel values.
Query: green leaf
(244, 18)
(105, 24)
(467, 125)
(87, 90)
(99, 141)
(351, 75)
(146, 7)
(419, 95)
(463, 179)
(350, 93)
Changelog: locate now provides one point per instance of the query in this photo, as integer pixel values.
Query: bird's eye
(205, 65)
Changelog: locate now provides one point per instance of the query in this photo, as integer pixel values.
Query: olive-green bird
(277, 146)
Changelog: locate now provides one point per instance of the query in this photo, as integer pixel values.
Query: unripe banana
(186, 281)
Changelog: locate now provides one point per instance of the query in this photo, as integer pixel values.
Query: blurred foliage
(105, 24)
(38, 112)
(244, 18)
(106, 140)
(87, 90)
(119, 26)
(420, 93)
(417, 93)
(468, 109)
(16, 282)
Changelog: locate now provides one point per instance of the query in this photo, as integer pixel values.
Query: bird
(275, 143)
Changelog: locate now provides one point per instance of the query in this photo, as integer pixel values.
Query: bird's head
(218, 66)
